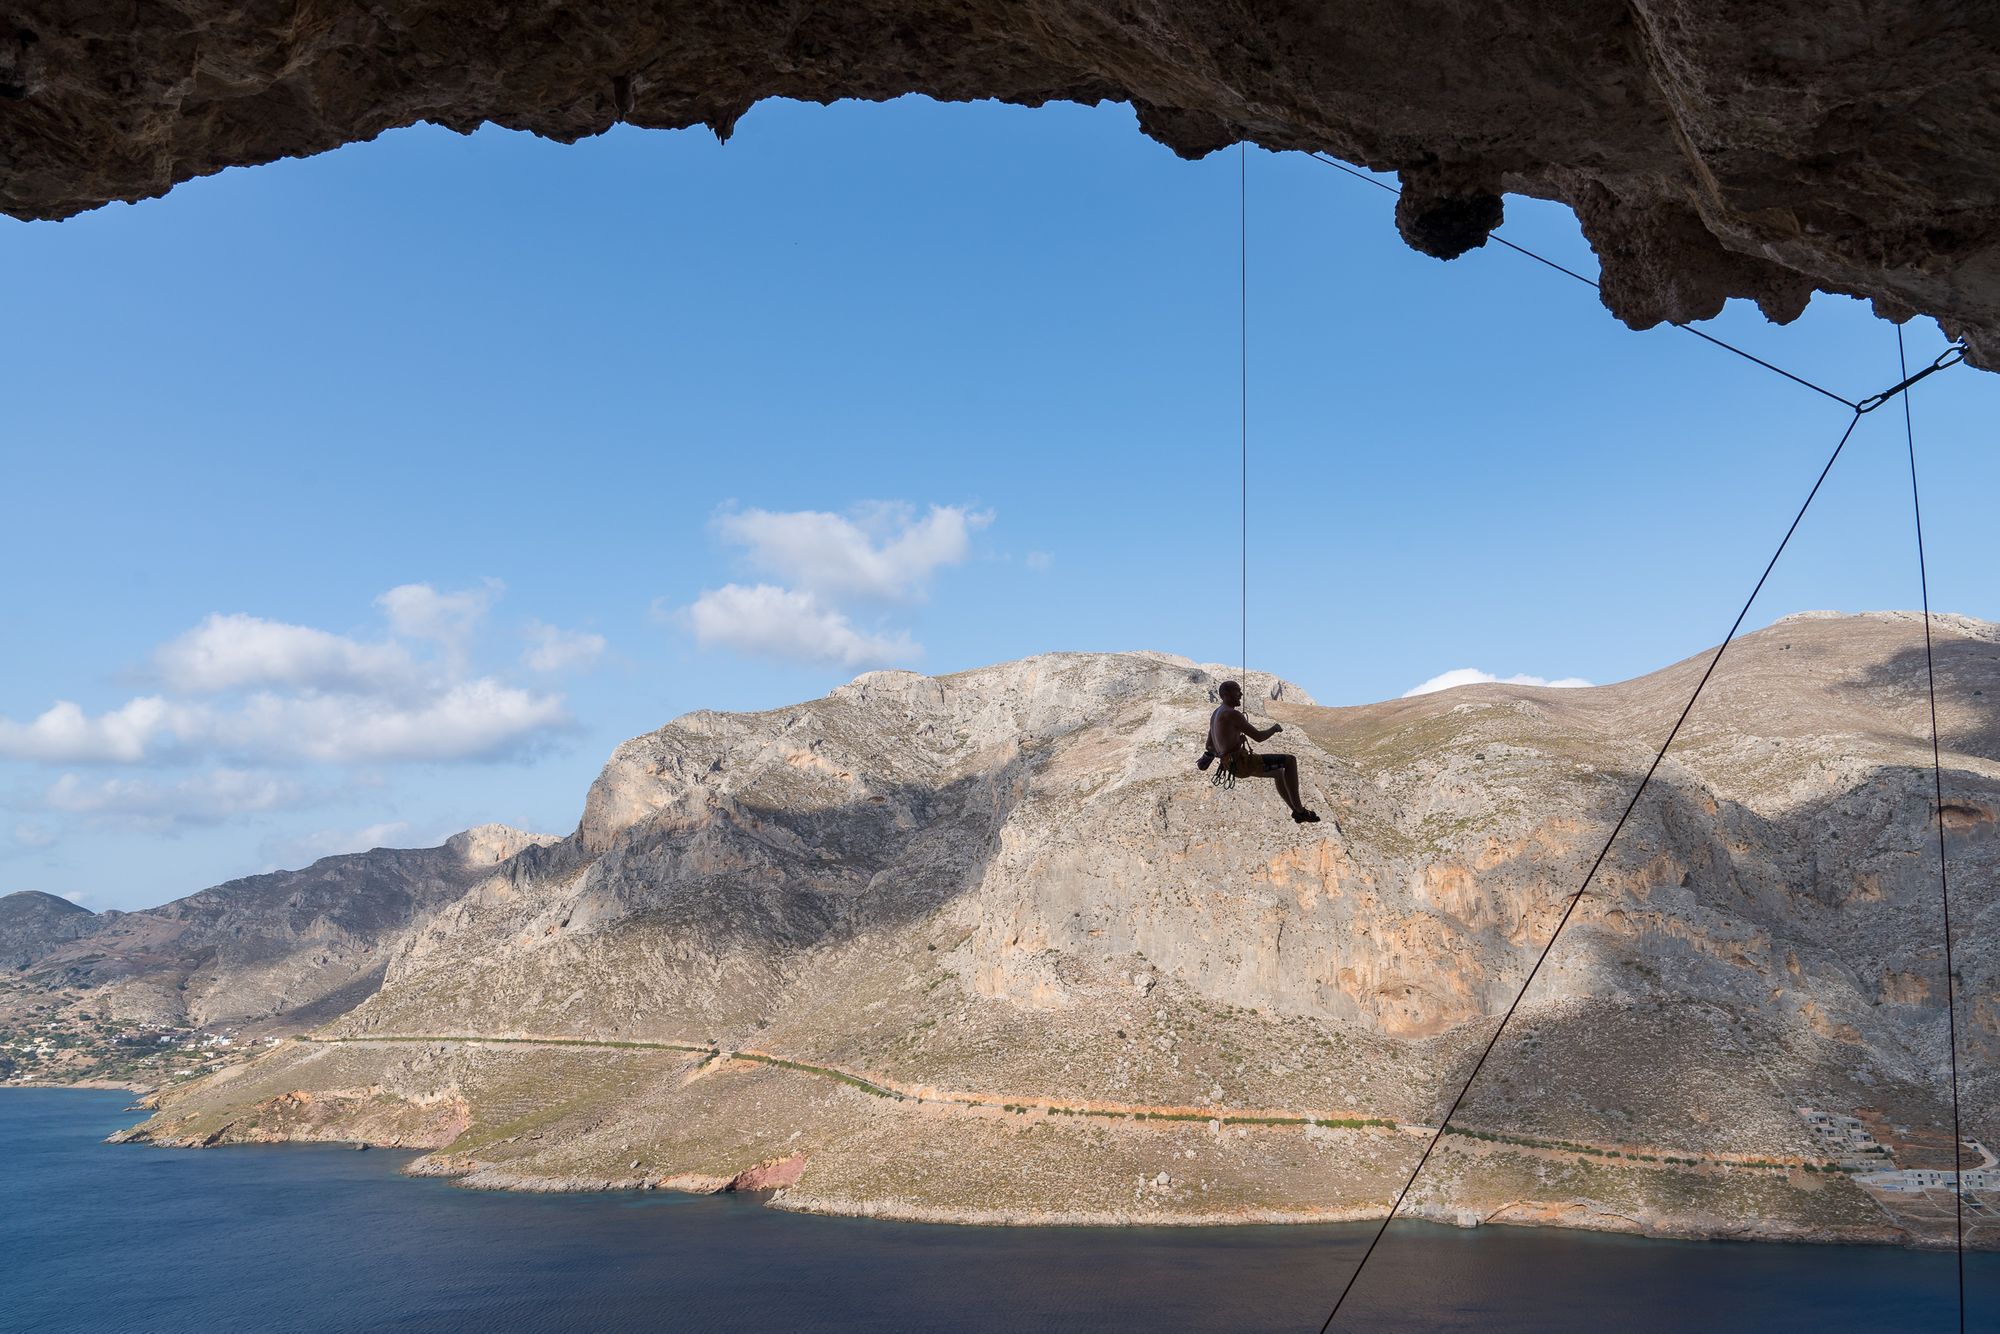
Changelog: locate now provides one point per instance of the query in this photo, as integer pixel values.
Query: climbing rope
(1570, 907)
(1937, 810)
(1544, 260)
(1243, 394)
(1950, 357)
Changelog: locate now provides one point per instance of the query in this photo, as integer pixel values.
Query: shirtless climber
(1229, 735)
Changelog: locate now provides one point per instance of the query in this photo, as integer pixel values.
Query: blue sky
(371, 496)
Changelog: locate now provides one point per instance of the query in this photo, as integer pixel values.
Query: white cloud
(878, 552)
(471, 720)
(205, 798)
(553, 650)
(236, 651)
(77, 897)
(314, 697)
(308, 848)
(1472, 676)
(419, 611)
(1040, 561)
(883, 551)
(787, 623)
(65, 734)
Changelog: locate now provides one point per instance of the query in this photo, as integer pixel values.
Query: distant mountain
(33, 923)
(986, 946)
(292, 947)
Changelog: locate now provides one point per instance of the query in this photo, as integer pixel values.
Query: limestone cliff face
(1036, 834)
(1010, 886)
(723, 859)
(1709, 149)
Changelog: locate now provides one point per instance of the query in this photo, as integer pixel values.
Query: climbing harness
(1951, 356)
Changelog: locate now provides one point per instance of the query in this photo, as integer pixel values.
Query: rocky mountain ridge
(986, 946)
(288, 948)
(33, 923)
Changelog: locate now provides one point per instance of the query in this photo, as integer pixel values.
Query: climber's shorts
(1258, 765)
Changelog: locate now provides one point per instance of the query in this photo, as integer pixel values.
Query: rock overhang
(1710, 149)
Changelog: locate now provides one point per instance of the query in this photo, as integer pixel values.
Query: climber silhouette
(1229, 737)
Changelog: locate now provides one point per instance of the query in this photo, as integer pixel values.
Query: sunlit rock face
(1710, 148)
(1033, 837)
(988, 947)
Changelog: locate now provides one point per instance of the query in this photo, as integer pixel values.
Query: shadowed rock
(987, 947)
(1710, 149)
(301, 947)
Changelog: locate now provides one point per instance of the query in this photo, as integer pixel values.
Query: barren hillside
(986, 946)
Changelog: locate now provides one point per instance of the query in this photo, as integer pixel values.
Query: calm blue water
(96, 1237)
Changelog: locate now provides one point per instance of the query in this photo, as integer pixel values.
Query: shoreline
(1554, 1203)
(1564, 1215)
(1572, 1215)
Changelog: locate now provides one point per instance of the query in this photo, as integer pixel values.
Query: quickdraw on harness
(1224, 775)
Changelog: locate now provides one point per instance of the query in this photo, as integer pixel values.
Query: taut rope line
(1366, 179)
(1937, 809)
(1951, 356)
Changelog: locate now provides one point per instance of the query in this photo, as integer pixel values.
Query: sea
(97, 1237)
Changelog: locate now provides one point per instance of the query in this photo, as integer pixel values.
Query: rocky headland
(985, 947)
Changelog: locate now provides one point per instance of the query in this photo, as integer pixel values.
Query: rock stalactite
(1711, 148)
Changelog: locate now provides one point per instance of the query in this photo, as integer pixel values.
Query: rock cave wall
(1764, 149)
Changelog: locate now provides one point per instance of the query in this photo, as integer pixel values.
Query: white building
(1916, 1179)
